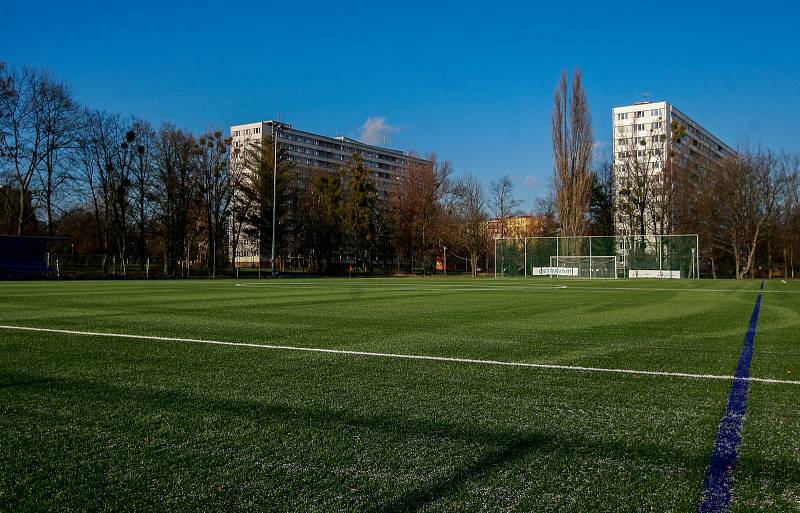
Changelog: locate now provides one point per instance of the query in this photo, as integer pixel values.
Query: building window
(622, 115)
(639, 113)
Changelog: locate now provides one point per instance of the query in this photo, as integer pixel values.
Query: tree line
(745, 207)
(134, 195)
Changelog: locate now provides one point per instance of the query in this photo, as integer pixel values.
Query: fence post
(557, 254)
(495, 258)
(525, 261)
(590, 257)
(697, 255)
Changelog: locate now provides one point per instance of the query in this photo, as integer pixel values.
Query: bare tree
(22, 135)
(416, 208)
(601, 205)
(640, 162)
(106, 152)
(572, 154)
(144, 193)
(734, 201)
(217, 183)
(787, 215)
(175, 180)
(61, 123)
(545, 209)
(502, 203)
(467, 216)
(243, 206)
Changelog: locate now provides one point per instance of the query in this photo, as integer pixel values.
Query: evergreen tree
(360, 210)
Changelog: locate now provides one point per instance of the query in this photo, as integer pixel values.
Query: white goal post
(674, 256)
(595, 266)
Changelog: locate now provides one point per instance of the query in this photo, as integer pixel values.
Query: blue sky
(471, 81)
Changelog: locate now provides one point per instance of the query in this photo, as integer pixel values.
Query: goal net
(602, 266)
(638, 256)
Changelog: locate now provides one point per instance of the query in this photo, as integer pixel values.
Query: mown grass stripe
(448, 359)
(719, 475)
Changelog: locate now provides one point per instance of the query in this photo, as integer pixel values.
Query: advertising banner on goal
(654, 273)
(554, 271)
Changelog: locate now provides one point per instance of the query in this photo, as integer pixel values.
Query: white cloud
(375, 130)
(532, 182)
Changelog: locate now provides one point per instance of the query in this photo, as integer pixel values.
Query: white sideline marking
(494, 286)
(402, 356)
(411, 288)
(600, 289)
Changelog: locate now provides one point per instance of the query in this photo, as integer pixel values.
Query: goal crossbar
(592, 266)
(592, 256)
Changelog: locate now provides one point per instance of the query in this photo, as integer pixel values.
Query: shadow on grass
(500, 447)
(22, 380)
(415, 499)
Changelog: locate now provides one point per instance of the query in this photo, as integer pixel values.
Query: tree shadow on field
(498, 447)
(416, 498)
(21, 380)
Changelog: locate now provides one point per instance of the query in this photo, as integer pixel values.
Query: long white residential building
(311, 153)
(646, 135)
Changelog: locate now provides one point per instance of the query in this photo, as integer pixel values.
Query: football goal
(600, 266)
(640, 256)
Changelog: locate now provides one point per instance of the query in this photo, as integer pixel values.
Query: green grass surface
(97, 423)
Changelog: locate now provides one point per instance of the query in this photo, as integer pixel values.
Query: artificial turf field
(113, 423)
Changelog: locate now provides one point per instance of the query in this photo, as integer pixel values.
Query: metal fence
(637, 256)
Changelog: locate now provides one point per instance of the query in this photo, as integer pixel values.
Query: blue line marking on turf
(719, 474)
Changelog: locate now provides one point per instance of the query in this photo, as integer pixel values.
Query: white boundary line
(395, 288)
(402, 356)
(498, 285)
(664, 289)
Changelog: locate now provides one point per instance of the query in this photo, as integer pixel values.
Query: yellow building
(516, 226)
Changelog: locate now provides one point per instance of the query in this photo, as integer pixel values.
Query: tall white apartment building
(647, 136)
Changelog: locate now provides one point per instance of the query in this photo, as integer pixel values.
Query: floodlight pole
(275, 128)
